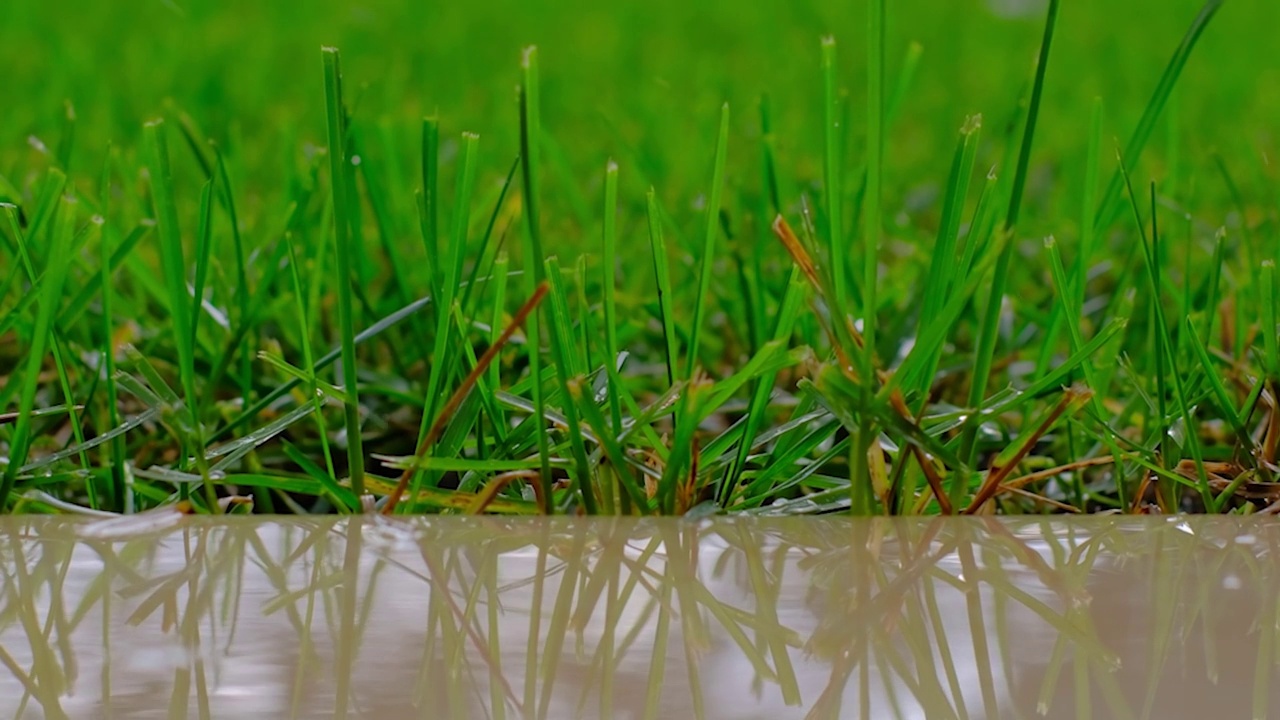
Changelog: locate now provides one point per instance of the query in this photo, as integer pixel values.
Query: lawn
(910, 257)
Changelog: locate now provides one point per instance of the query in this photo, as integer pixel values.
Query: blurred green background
(638, 81)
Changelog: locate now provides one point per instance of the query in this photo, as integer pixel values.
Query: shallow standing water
(780, 618)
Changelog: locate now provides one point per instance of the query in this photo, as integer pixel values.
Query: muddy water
(492, 618)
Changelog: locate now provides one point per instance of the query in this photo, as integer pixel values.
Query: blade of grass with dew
(609, 287)
(339, 177)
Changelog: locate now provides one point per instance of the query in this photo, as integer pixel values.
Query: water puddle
(780, 618)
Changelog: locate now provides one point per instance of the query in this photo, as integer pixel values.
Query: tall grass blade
(339, 169)
(985, 354)
(1113, 198)
(530, 152)
(709, 238)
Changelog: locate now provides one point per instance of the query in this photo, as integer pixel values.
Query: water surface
(174, 616)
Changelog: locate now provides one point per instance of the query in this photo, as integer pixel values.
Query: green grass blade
(339, 170)
(50, 293)
(860, 483)
(709, 238)
(203, 253)
(833, 174)
(530, 152)
(944, 264)
(1113, 198)
(180, 302)
(610, 288)
(991, 320)
(562, 355)
(1269, 328)
(115, 451)
(662, 274)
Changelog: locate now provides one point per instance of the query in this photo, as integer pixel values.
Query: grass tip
(529, 56)
(330, 49)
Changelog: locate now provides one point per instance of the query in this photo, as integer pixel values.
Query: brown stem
(455, 400)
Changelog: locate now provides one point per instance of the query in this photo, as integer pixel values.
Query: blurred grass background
(635, 80)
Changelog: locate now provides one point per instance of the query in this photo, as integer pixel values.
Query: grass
(794, 288)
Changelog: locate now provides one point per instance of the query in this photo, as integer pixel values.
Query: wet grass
(794, 287)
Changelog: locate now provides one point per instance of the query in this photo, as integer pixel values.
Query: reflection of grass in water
(634, 588)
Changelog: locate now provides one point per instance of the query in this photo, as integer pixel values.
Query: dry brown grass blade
(804, 261)
(687, 494)
(1065, 507)
(1000, 470)
(1272, 439)
(500, 481)
(455, 400)
(1147, 480)
(1021, 482)
(935, 481)
(797, 251)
